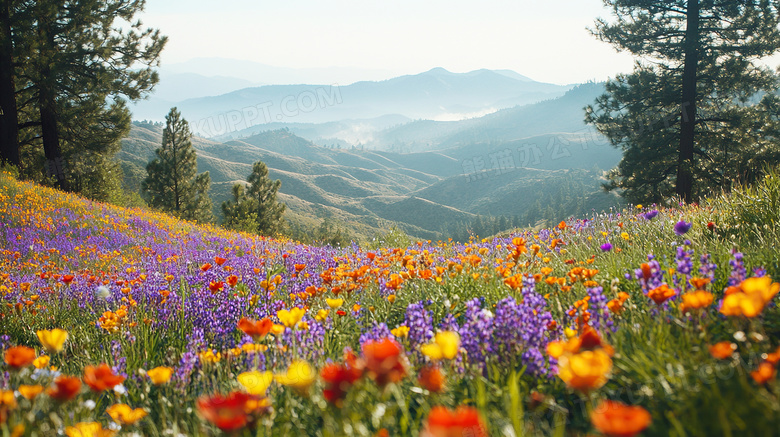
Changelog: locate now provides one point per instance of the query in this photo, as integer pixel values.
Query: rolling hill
(368, 191)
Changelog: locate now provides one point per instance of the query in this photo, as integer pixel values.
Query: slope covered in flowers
(117, 320)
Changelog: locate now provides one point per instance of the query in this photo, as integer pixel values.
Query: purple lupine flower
(377, 332)
(649, 215)
(707, 267)
(597, 307)
(606, 247)
(420, 324)
(682, 227)
(476, 333)
(738, 270)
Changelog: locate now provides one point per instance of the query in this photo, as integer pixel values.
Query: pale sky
(545, 40)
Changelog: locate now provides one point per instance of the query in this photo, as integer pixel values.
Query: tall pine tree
(698, 112)
(172, 184)
(255, 209)
(72, 65)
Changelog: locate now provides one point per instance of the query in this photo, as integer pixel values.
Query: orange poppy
(101, 377)
(384, 361)
(774, 357)
(616, 419)
(232, 280)
(722, 350)
(65, 388)
(19, 356)
(219, 260)
(464, 421)
(255, 329)
(432, 378)
(216, 286)
(764, 373)
(661, 294)
(232, 412)
(338, 379)
(696, 300)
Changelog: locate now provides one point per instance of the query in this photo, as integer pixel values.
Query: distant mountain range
(435, 94)
(401, 134)
(428, 153)
(480, 167)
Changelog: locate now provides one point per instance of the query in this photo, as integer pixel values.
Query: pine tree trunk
(55, 164)
(688, 123)
(9, 118)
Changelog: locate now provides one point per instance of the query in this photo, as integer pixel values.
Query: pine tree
(240, 213)
(698, 112)
(256, 208)
(71, 65)
(171, 184)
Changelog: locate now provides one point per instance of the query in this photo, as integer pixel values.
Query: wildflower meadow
(650, 320)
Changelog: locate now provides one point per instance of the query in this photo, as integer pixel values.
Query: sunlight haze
(546, 41)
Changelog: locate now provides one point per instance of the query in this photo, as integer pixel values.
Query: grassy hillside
(369, 191)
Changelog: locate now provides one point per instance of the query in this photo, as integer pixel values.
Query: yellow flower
(160, 375)
(290, 317)
(7, 400)
(445, 346)
(300, 376)
(624, 235)
(41, 362)
(277, 329)
(255, 382)
(88, 429)
(570, 333)
(334, 303)
(321, 315)
(30, 391)
(401, 331)
(124, 415)
(53, 340)
(210, 357)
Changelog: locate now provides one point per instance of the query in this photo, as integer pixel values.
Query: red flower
(443, 422)
(67, 278)
(101, 378)
(232, 412)
(255, 329)
(384, 361)
(65, 388)
(338, 379)
(711, 226)
(619, 420)
(205, 267)
(19, 356)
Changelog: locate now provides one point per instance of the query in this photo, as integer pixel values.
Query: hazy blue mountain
(257, 72)
(397, 133)
(428, 95)
(562, 114)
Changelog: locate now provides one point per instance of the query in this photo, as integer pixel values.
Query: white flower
(90, 404)
(120, 389)
(102, 292)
